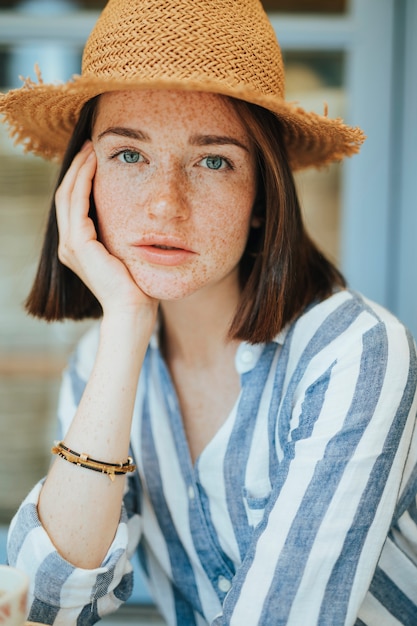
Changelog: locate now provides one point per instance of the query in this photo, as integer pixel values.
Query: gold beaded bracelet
(83, 460)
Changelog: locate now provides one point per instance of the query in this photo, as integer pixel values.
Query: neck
(195, 329)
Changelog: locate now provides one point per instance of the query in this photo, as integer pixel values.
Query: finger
(73, 203)
(67, 183)
(81, 191)
(64, 191)
(69, 200)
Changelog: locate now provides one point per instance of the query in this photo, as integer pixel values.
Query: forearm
(80, 508)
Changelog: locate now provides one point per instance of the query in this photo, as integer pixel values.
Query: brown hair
(288, 271)
(281, 272)
(57, 293)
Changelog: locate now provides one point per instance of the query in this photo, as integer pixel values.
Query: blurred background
(358, 56)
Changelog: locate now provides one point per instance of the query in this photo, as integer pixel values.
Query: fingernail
(86, 145)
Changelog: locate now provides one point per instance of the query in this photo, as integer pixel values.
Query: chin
(159, 290)
(174, 283)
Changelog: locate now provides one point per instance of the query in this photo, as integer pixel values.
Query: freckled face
(174, 188)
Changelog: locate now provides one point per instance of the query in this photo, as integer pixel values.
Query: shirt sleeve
(60, 593)
(344, 427)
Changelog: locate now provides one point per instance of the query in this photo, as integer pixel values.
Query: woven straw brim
(42, 117)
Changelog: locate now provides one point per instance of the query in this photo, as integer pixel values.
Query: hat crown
(217, 46)
(228, 43)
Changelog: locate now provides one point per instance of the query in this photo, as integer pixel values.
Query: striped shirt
(300, 510)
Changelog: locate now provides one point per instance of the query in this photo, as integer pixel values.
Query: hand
(79, 249)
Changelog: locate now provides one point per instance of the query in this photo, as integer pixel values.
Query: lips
(163, 250)
(166, 247)
(163, 242)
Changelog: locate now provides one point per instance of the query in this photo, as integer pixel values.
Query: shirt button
(191, 492)
(223, 584)
(247, 357)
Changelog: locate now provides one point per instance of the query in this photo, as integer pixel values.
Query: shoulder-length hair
(282, 270)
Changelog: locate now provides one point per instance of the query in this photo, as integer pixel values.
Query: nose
(168, 199)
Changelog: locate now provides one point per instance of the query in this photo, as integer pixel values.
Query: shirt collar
(247, 354)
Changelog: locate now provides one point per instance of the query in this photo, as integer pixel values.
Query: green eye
(214, 162)
(128, 156)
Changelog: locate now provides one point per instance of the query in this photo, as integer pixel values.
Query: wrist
(124, 339)
(126, 321)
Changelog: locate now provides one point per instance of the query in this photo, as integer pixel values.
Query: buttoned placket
(217, 565)
(214, 561)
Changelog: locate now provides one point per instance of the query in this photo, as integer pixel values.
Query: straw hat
(219, 46)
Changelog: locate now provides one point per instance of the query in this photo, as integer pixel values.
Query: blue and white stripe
(301, 509)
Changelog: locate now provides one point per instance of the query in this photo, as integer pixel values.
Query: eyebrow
(195, 140)
(123, 131)
(217, 140)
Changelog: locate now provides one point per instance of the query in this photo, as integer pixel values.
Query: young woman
(237, 415)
